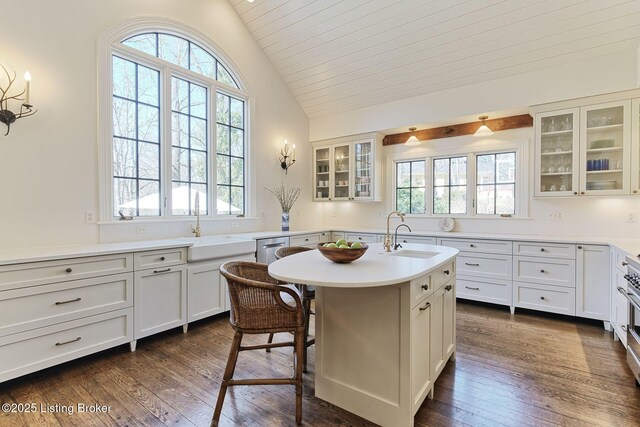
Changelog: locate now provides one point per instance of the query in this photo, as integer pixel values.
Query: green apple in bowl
(332, 245)
(356, 245)
(345, 246)
(341, 242)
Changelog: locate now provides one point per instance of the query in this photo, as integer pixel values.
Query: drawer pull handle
(448, 288)
(68, 270)
(624, 263)
(623, 327)
(541, 249)
(162, 271)
(425, 287)
(446, 272)
(541, 271)
(404, 241)
(427, 305)
(473, 289)
(67, 302)
(162, 258)
(472, 264)
(68, 342)
(542, 298)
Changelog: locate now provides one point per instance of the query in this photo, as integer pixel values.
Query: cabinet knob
(425, 287)
(624, 263)
(359, 238)
(579, 247)
(541, 249)
(448, 288)
(472, 245)
(404, 241)
(542, 298)
(68, 270)
(446, 272)
(635, 191)
(575, 193)
(162, 258)
(306, 240)
(541, 271)
(582, 192)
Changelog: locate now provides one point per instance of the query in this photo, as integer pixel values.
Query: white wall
(48, 163)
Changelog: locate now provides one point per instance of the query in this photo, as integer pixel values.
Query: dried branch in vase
(287, 196)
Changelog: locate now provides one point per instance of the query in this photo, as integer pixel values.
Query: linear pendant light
(412, 139)
(483, 130)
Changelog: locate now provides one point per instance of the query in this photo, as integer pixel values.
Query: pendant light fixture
(483, 130)
(412, 139)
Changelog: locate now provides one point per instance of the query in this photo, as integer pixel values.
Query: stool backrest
(291, 250)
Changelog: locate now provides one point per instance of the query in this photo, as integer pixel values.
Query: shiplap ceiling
(338, 55)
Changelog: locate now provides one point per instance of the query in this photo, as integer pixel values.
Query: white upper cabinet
(588, 146)
(348, 169)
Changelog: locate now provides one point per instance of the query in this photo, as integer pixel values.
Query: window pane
(223, 139)
(237, 142)
(198, 101)
(143, 42)
(403, 200)
(237, 171)
(459, 171)
(403, 179)
(198, 134)
(417, 200)
(180, 164)
(237, 200)
(173, 49)
(124, 78)
(505, 199)
(179, 95)
(441, 172)
(224, 175)
(458, 200)
(223, 202)
(198, 166)
(124, 197)
(148, 123)
(148, 86)
(225, 77)
(486, 169)
(201, 189)
(149, 161)
(417, 174)
(202, 62)
(149, 203)
(223, 108)
(124, 118)
(124, 158)
(237, 113)
(181, 199)
(180, 130)
(486, 198)
(506, 167)
(441, 200)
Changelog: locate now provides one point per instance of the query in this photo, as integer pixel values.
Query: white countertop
(374, 268)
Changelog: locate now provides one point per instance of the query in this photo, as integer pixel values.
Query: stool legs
(228, 374)
(269, 341)
(300, 349)
(306, 303)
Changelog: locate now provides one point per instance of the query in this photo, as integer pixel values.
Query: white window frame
(110, 43)
(522, 190)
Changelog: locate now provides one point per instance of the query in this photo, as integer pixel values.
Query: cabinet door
(205, 293)
(420, 353)
(604, 148)
(363, 170)
(449, 319)
(342, 172)
(557, 153)
(437, 332)
(322, 172)
(160, 300)
(635, 146)
(593, 282)
(619, 307)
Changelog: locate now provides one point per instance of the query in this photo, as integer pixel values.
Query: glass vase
(285, 221)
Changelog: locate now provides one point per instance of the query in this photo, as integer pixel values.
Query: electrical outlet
(90, 217)
(554, 216)
(234, 224)
(141, 230)
(632, 216)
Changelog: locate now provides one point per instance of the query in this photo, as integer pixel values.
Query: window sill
(462, 217)
(177, 220)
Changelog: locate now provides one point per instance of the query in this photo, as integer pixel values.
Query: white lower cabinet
(437, 340)
(593, 282)
(449, 319)
(497, 292)
(420, 353)
(361, 237)
(553, 299)
(619, 306)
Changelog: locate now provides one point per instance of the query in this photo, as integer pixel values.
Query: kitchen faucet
(197, 231)
(397, 245)
(387, 237)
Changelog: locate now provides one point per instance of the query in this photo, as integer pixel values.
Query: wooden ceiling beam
(504, 123)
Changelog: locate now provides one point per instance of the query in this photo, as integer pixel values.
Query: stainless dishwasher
(266, 248)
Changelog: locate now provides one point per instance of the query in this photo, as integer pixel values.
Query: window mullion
(212, 131)
(166, 192)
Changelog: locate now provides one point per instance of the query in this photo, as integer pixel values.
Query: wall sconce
(26, 109)
(287, 156)
(483, 130)
(412, 139)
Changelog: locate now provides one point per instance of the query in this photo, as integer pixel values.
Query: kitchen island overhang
(385, 326)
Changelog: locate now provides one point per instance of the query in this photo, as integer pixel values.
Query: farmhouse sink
(413, 254)
(212, 247)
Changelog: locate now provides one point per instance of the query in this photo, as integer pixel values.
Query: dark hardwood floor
(526, 369)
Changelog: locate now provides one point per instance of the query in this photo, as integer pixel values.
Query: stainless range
(632, 294)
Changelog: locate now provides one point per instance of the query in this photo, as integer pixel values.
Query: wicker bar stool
(261, 305)
(308, 294)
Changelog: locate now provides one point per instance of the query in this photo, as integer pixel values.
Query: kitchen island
(385, 326)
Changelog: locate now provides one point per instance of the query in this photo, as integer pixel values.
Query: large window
(450, 185)
(410, 187)
(172, 100)
(496, 184)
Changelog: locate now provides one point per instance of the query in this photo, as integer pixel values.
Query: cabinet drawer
(496, 293)
(547, 272)
(160, 258)
(442, 274)
(494, 267)
(546, 250)
(421, 288)
(40, 348)
(37, 273)
(29, 308)
(554, 299)
(483, 246)
(417, 239)
(305, 240)
(619, 260)
(358, 237)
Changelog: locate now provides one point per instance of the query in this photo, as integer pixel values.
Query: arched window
(178, 129)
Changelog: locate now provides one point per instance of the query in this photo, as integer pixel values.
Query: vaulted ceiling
(338, 55)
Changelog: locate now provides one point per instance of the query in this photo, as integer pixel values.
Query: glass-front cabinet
(635, 146)
(348, 169)
(585, 150)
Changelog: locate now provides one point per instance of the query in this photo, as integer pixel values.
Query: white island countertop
(374, 268)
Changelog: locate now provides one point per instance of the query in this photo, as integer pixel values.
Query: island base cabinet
(160, 298)
(421, 384)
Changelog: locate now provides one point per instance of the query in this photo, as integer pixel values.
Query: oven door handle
(627, 295)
